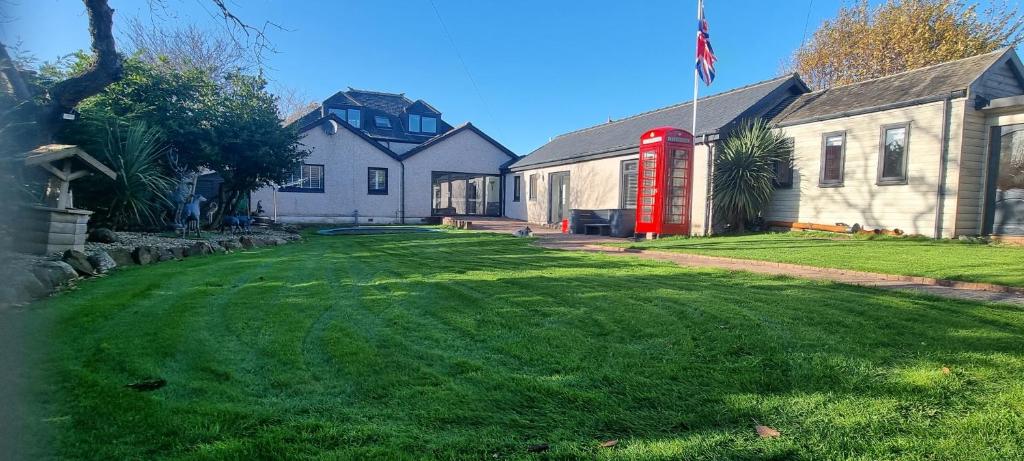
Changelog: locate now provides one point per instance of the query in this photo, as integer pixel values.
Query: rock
(142, 255)
(180, 252)
(164, 254)
(200, 248)
(53, 274)
(280, 241)
(79, 261)
(230, 245)
(218, 248)
(21, 286)
(121, 256)
(102, 262)
(103, 235)
(247, 242)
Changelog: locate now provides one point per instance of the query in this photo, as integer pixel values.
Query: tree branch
(14, 79)
(107, 68)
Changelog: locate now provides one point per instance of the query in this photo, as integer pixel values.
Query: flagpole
(696, 78)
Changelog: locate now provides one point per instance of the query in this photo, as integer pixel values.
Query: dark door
(558, 197)
(1004, 210)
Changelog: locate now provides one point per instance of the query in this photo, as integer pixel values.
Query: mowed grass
(478, 346)
(918, 256)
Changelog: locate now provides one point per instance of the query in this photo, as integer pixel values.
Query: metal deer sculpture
(192, 216)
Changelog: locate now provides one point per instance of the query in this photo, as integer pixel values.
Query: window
(517, 188)
(832, 153)
(422, 124)
(377, 181)
(533, 188)
(627, 187)
(429, 124)
(352, 116)
(306, 178)
(381, 121)
(784, 169)
(892, 160)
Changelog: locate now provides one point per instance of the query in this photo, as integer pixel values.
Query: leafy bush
(745, 171)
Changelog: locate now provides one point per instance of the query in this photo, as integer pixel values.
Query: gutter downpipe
(940, 193)
(401, 204)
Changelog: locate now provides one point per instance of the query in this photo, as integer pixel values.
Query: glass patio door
(558, 197)
(1005, 198)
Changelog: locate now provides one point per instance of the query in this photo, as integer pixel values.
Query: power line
(465, 68)
(803, 40)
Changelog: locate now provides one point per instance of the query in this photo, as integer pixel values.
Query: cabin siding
(971, 199)
(860, 200)
(999, 81)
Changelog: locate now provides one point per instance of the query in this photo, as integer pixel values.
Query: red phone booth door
(648, 188)
(677, 194)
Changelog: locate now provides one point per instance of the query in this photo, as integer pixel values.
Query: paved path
(551, 238)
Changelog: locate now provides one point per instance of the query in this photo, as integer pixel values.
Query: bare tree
(187, 47)
(292, 104)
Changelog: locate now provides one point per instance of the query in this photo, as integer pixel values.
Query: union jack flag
(705, 54)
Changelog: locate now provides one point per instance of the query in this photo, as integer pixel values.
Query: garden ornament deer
(192, 215)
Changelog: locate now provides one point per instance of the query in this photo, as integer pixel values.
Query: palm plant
(745, 169)
(139, 194)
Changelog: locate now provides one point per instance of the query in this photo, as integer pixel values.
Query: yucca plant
(139, 194)
(744, 174)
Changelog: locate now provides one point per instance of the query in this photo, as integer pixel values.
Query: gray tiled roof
(390, 103)
(713, 113)
(372, 104)
(931, 81)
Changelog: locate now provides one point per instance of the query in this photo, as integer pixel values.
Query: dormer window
(429, 125)
(422, 124)
(381, 121)
(352, 116)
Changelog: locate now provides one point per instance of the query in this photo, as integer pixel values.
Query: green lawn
(951, 260)
(476, 346)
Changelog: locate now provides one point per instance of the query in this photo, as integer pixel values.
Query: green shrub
(745, 171)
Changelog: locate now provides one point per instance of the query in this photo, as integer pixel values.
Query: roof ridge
(930, 66)
(673, 106)
(382, 93)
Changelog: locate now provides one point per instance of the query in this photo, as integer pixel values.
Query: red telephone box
(665, 182)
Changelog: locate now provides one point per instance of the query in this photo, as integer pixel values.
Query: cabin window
(533, 188)
(517, 187)
(414, 123)
(832, 158)
(381, 121)
(377, 181)
(784, 168)
(306, 178)
(627, 184)
(892, 160)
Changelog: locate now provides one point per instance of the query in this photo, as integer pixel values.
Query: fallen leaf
(538, 448)
(766, 432)
(945, 370)
(609, 443)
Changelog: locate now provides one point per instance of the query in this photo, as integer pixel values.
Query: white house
(387, 159)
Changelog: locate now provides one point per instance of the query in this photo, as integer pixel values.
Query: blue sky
(542, 67)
